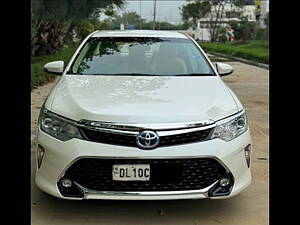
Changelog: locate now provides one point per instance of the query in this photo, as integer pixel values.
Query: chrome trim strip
(229, 118)
(111, 131)
(139, 127)
(87, 192)
(183, 131)
(166, 129)
(159, 127)
(160, 133)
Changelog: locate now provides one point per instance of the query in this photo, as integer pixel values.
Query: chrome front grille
(126, 135)
(184, 138)
(108, 138)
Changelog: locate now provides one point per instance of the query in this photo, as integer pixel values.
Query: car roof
(139, 33)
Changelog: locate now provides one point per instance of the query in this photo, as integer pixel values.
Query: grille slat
(166, 174)
(125, 140)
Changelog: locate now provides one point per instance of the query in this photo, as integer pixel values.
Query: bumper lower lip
(102, 194)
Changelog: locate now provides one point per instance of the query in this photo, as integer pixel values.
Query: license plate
(131, 172)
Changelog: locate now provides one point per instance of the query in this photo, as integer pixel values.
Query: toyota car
(142, 115)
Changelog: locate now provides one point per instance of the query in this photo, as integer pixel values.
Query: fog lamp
(224, 182)
(66, 182)
(247, 154)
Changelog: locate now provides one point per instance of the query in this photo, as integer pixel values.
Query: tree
(52, 20)
(218, 7)
(127, 18)
(244, 29)
(86, 26)
(214, 9)
(196, 11)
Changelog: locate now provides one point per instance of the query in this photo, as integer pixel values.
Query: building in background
(230, 12)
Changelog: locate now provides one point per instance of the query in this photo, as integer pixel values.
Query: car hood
(142, 99)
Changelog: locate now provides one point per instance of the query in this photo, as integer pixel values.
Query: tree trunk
(49, 37)
(214, 23)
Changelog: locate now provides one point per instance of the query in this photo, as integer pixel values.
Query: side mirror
(224, 69)
(56, 67)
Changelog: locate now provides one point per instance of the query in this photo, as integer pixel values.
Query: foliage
(127, 18)
(86, 26)
(132, 18)
(218, 7)
(244, 29)
(257, 51)
(248, 30)
(196, 11)
(52, 20)
(262, 34)
(222, 32)
(214, 9)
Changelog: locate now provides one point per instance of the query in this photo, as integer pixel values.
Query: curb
(261, 65)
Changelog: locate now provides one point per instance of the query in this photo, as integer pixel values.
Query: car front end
(194, 160)
(138, 137)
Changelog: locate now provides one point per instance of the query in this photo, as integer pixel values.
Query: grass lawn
(38, 76)
(257, 51)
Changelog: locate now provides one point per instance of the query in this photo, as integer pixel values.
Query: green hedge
(257, 51)
(38, 76)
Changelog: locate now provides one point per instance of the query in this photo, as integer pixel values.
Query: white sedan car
(142, 115)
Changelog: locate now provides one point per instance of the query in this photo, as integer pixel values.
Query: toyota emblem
(147, 139)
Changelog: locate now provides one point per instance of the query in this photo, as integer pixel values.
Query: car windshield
(140, 56)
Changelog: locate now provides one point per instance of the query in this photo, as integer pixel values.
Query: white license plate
(131, 172)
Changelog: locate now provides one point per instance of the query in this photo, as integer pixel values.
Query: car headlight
(58, 127)
(230, 128)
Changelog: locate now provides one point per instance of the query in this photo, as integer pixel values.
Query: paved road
(251, 84)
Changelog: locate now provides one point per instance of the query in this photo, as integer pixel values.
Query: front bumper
(60, 155)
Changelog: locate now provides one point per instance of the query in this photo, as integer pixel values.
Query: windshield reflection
(140, 56)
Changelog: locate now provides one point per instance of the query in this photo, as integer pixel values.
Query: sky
(166, 10)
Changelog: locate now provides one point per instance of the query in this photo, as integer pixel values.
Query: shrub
(255, 50)
(84, 28)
